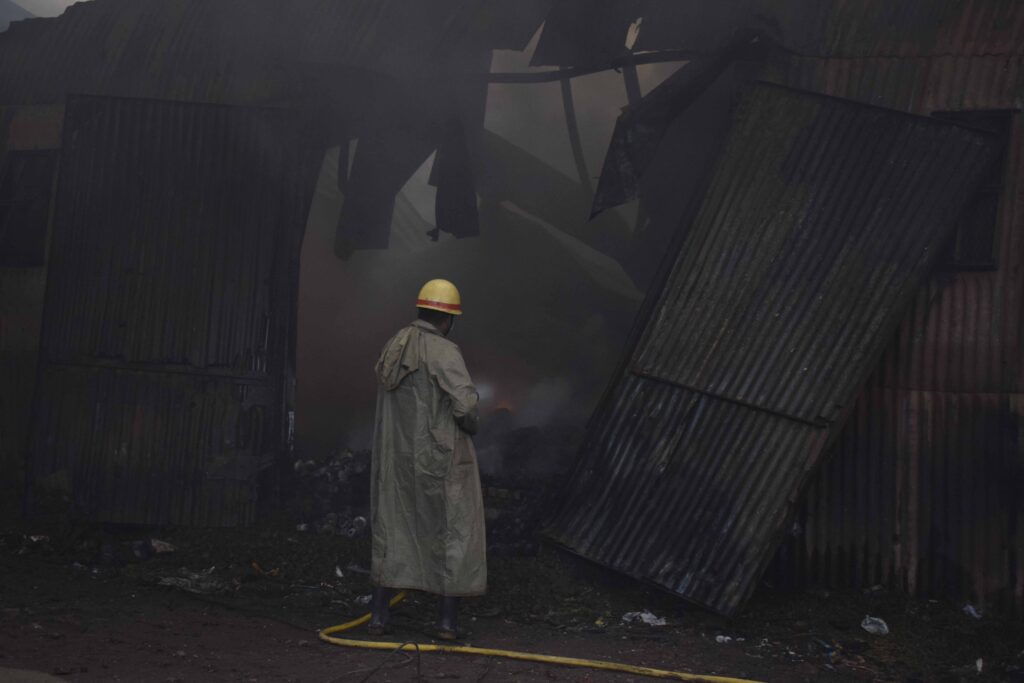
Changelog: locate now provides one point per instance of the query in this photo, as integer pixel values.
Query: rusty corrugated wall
(922, 492)
(168, 325)
(821, 221)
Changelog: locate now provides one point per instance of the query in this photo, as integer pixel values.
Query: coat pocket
(436, 460)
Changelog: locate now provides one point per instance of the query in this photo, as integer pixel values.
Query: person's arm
(454, 380)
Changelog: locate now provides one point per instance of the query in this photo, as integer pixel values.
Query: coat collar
(427, 327)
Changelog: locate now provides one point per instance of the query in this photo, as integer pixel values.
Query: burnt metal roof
(247, 51)
(584, 32)
(822, 218)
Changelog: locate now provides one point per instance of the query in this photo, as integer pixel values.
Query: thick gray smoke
(546, 315)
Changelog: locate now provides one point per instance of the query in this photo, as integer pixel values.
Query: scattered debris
(645, 617)
(335, 492)
(161, 547)
(260, 571)
(202, 582)
(875, 626)
(979, 665)
(148, 547)
(337, 572)
(722, 640)
(364, 599)
(972, 611)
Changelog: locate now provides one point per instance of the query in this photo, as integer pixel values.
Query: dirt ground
(231, 605)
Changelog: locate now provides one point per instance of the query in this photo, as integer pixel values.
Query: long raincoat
(427, 512)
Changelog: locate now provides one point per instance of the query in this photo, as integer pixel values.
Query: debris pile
(522, 470)
(333, 495)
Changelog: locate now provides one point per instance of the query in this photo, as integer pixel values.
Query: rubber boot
(447, 627)
(381, 609)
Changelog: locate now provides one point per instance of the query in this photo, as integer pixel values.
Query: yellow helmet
(440, 295)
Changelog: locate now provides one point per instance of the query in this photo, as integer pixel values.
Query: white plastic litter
(980, 664)
(972, 611)
(875, 625)
(337, 572)
(722, 640)
(364, 599)
(645, 616)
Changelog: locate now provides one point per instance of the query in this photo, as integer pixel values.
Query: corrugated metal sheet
(921, 492)
(774, 337)
(821, 220)
(245, 51)
(685, 490)
(582, 32)
(170, 303)
(21, 305)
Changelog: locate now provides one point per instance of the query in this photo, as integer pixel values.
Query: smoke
(546, 315)
(45, 8)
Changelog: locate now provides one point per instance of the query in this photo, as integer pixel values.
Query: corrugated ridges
(804, 249)
(690, 489)
(178, 274)
(147, 448)
(922, 494)
(685, 490)
(169, 309)
(921, 491)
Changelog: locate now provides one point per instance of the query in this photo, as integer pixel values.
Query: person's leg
(447, 626)
(381, 609)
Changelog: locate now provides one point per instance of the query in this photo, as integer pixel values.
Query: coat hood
(401, 355)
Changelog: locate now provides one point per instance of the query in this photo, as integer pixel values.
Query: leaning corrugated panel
(821, 221)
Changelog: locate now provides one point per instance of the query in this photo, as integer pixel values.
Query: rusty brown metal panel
(821, 220)
(942, 411)
(933, 504)
(919, 85)
(941, 423)
(167, 330)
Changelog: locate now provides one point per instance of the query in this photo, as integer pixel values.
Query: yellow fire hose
(326, 635)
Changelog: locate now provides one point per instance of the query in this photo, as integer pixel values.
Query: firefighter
(427, 514)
